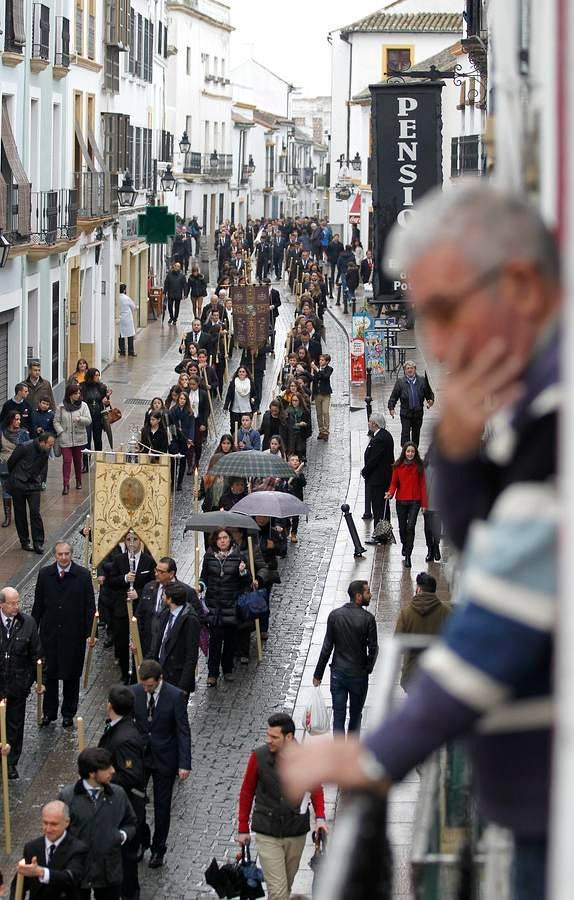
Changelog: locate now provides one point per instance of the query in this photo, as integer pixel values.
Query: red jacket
(247, 793)
(409, 483)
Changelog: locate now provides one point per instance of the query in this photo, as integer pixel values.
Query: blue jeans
(352, 688)
(530, 869)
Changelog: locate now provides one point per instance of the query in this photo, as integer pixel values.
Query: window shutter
(150, 51)
(79, 29)
(146, 50)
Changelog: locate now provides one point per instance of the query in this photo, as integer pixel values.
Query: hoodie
(425, 614)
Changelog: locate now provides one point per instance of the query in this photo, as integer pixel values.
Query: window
(92, 29)
(62, 53)
(206, 63)
(165, 42)
(396, 58)
(15, 29)
(139, 45)
(117, 30)
(112, 69)
(222, 68)
(79, 27)
(41, 31)
(137, 158)
(159, 38)
(146, 52)
(206, 138)
(216, 136)
(188, 126)
(132, 56)
(188, 60)
(216, 66)
(223, 137)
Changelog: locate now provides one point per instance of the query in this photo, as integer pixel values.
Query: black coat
(174, 285)
(66, 872)
(167, 737)
(145, 572)
(196, 286)
(18, 656)
(321, 382)
(379, 458)
(223, 585)
(181, 647)
(366, 269)
(401, 392)
(125, 744)
(270, 427)
(26, 465)
(64, 612)
(230, 396)
(146, 610)
(98, 826)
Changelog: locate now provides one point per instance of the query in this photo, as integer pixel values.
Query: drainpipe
(345, 37)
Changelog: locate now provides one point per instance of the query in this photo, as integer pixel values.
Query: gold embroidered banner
(250, 315)
(132, 495)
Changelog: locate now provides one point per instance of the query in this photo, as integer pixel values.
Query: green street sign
(156, 224)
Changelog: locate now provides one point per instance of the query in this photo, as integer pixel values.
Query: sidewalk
(392, 586)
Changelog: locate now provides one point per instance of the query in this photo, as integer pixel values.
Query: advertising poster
(375, 353)
(358, 372)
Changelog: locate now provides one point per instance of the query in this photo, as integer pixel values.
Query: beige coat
(71, 427)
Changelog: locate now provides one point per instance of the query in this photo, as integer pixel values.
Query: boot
(430, 554)
(7, 513)
(437, 551)
(407, 561)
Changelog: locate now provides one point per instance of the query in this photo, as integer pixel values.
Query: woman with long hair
(298, 418)
(71, 424)
(212, 486)
(154, 437)
(196, 288)
(97, 397)
(225, 575)
(156, 406)
(79, 374)
(11, 435)
(182, 431)
(171, 399)
(408, 487)
(276, 447)
(183, 381)
(241, 397)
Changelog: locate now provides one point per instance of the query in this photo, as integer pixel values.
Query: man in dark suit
(152, 600)
(378, 466)
(129, 574)
(54, 864)
(175, 640)
(278, 252)
(124, 743)
(366, 268)
(161, 716)
(19, 653)
(64, 609)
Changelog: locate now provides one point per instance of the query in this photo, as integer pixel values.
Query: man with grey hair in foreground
(378, 466)
(53, 865)
(484, 277)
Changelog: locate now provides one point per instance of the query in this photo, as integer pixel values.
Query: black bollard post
(338, 303)
(345, 302)
(369, 395)
(353, 305)
(359, 549)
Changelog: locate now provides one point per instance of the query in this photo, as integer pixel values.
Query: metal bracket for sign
(456, 75)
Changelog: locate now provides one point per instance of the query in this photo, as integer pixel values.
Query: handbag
(383, 531)
(251, 876)
(252, 605)
(114, 415)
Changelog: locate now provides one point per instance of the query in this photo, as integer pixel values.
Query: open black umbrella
(251, 464)
(220, 519)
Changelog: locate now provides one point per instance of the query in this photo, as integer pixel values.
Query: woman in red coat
(408, 486)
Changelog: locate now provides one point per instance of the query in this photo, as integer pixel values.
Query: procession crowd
(147, 737)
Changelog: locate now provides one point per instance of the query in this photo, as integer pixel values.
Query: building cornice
(182, 6)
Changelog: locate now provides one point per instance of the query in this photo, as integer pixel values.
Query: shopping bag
(383, 530)
(316, 716)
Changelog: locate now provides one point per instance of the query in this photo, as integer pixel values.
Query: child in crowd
(248, 438)
(42, 419)
(232, 494)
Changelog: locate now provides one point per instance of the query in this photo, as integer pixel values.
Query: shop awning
(18, 174)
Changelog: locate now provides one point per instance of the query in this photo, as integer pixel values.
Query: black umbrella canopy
(210, 521)
(251, 464)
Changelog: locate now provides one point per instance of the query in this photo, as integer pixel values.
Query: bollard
(345, 301)
(369, 394)
(338, 303)
(359, 549)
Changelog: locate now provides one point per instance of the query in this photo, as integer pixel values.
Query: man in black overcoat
(64, 611)
(411, 390)
(129, 574)
(54, 864)
(175, 639)
(378, 466)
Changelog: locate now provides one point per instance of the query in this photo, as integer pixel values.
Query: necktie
(51, 851)
(94, 793)
(132, 563)
(61, 573)
(160, 601)
(8, 626)
(165, 637)
(151, 706)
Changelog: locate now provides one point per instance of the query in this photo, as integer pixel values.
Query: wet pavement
(227, 723)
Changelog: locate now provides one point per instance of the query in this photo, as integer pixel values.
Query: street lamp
(4, 249)
(168, 179)
(250, 165)
(214, 159)
(184, 144)
(356, 162)
(126, 192)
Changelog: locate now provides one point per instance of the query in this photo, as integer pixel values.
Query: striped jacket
(489, 677)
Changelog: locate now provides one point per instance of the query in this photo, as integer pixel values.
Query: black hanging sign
(407, 162)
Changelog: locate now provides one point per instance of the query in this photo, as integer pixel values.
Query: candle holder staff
(19, 654)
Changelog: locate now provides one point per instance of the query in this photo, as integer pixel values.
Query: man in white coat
(127, 327)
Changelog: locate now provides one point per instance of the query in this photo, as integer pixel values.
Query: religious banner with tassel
(250, 315)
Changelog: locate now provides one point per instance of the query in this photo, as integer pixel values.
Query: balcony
(40, 37)
(54, 216)
(297, 174)
(14, 33)
(62, 52)
(308, 175)
(321, 181)
(208, 165)
(468, 156)
(93, 194)
(476, 34)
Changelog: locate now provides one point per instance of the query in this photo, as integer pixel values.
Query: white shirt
(137, 562)
(5, 620)
(65, 569)
(45, 878)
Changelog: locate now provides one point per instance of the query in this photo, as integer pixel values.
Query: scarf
(194, 401)
(72, 407)
(242, 388)
(223, 554)
(414, 399)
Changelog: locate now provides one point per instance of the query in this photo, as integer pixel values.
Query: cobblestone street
(227, 723)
